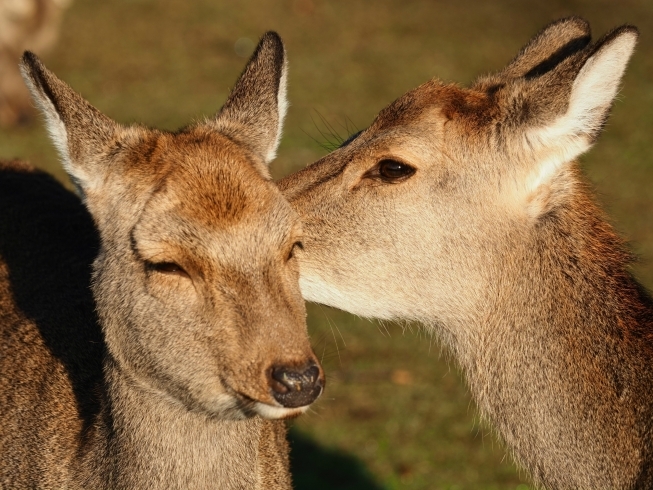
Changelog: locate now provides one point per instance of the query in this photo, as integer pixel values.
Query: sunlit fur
(175, 389)
(496, 244)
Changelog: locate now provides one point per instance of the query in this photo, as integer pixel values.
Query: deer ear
(551, 45)
(597, 83)
(78, 130)
(588, 102)
(254, 112)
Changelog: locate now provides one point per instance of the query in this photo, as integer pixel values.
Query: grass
(395, 414)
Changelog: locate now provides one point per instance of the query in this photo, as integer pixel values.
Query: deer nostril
(293, 387)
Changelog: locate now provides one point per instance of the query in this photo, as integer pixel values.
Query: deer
(464, 209)
(152, 332)
(24, 24)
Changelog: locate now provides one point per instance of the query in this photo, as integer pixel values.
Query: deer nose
(293, 387)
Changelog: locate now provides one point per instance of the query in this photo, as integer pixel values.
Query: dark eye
(394, 171)
(167, 268)
(295, 245)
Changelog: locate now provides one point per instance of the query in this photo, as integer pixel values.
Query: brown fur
(138, 341)
(495, 243)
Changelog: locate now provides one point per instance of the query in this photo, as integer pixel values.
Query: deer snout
(296, 387)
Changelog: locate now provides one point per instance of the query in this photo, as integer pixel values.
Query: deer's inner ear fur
(254, 111)
(80, 133)
(586, 99)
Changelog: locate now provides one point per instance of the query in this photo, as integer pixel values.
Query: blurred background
(395, 414)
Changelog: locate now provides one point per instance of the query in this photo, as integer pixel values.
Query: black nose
(294, 387)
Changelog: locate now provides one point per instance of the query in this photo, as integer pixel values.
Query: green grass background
(395, 413)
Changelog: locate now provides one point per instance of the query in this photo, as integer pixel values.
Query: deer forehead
(452, 119)
(204, 175)
(435, 99)
(213, 228)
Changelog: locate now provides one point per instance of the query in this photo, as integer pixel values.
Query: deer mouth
(252, 407)
(268, 411)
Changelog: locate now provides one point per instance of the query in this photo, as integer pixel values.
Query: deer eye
(167, 268)
(394, 171)
(295, 245)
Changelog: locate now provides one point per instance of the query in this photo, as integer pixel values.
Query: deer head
(418, 215)
(196, 281)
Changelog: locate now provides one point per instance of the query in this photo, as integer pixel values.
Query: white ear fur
(78, 130)
(282, 109)
(256, 107)
(53, 122)
(592, 93)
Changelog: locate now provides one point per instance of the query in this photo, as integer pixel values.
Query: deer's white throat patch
(357, 302)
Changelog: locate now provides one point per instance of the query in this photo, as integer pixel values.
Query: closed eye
(169, 268)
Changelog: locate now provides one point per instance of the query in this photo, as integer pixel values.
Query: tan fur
(143, 354)
(495, 243)
(24, 24)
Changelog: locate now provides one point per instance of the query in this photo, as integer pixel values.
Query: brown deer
(464, 209)
(200, 336)
(24, 24)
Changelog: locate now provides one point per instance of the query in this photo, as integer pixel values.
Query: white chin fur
(316, 290)
(271, 412)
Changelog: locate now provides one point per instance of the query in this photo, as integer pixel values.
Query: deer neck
(146, 439)
(559, 358)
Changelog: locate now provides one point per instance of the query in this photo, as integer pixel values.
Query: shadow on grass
(316, 468)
